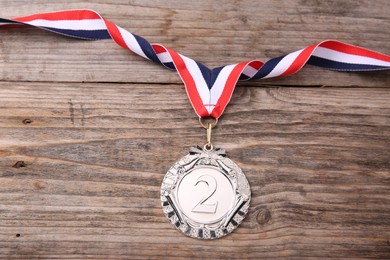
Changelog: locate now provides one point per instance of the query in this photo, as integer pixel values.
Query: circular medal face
(205, 194)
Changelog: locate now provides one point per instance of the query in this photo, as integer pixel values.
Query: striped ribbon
(209, 90)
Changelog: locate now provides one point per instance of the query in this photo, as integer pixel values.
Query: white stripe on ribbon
(85, 24)
(338, 56)
(164, 57)
(219, 85)
(249, 71)
(131, 42)
(196, 74)
(284, 64)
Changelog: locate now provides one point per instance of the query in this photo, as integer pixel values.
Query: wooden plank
(215, 33)
(94, 157)
(81, 164)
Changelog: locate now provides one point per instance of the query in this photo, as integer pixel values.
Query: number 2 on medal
(202, 207)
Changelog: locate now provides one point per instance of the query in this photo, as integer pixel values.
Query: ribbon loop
(209, 90)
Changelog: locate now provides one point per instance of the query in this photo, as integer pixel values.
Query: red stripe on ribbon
(158, 48)
(354, 50)
(256, 64)
(300, 60)
(228, 89)
(189, 83)
(115, 34)
(62, 15)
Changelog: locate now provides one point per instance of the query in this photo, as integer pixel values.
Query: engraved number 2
(202, 207)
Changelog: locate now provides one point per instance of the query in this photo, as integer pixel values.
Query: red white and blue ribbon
(209, 90)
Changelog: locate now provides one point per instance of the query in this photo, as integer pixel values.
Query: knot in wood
(263, 216)
(19, 164)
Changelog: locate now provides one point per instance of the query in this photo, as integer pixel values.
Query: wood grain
(87, 134)
(317, 160)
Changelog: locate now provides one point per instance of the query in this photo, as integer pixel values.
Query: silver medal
(205, 194)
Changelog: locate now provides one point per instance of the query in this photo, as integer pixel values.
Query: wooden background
(88, 130)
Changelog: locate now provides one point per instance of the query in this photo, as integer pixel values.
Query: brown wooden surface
(88, 130)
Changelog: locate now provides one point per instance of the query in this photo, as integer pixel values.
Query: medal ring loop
(206, 121)
(208, 147)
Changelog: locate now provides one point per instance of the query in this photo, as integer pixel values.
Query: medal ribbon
(209, 90)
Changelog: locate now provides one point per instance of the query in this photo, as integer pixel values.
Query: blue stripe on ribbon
(267, 67)
(214, 75)
(169, 65)
(210, 76)
(147, 49)
(2, 20)
(82, 34)
(335, 65)
(243, 77)
(206, 73)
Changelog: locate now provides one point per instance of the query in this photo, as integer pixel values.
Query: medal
(206, 195)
